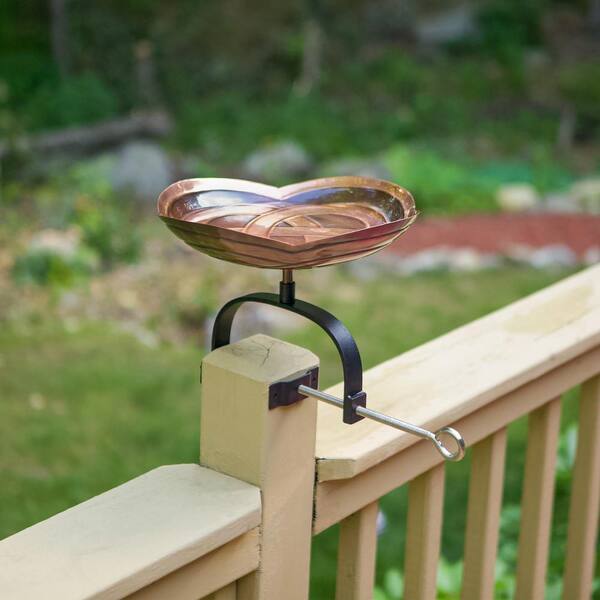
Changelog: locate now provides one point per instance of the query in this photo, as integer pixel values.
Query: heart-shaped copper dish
(299, 226)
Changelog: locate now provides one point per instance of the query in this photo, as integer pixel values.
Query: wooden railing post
(538, 497)
(483, 516)
(585, 498)
(356, 555)
(424, 534)
(273, 449)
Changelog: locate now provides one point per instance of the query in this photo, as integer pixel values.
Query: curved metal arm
(354, 396)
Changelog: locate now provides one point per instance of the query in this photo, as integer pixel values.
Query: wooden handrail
(457, 374)
(479, 379)
(337, 499)
(133, 535)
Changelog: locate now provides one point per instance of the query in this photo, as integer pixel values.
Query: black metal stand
(354, 403)
(354, 395)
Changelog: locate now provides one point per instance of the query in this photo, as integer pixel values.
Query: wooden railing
(240, 525)
(479, 379)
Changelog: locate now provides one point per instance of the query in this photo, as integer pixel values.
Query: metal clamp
(285, 392)
(354, 403)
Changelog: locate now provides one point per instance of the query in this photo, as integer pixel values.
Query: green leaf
(394, 583)
(449, 577)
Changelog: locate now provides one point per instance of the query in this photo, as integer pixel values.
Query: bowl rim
(205, 184)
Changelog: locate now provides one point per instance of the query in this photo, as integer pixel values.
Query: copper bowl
(299, 226)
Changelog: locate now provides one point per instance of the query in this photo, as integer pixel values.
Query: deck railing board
(457, 374)
(226, 593)
(204, 577)
(538, 496)
(128, 537)
(336, 499)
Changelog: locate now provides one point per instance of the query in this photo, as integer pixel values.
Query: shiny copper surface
(308, 224)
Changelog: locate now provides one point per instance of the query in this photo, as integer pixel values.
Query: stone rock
(142, 169)
(64, 243)
(188, 166)
(356, 166)
(469, 259)
(592, 256)
(560, 203)
(142, 334)
(278, 163)
(433, 259)
(517, 197)
(535, 59)
(451, 25)
(555, 255)
(586, 194)
(256, 318)
(443, 258)
(369, 268)
(37, 401)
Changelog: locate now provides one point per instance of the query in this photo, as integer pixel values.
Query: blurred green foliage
(365, 106)
(508, 27)
(202, 306)
(444, 184)
(449, 184)
(231, 74)
(83, 196)
(75, 101)
(43, 267)
(580, 86)
(79, 199)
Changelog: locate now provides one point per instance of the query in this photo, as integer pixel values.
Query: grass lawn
(84, 410)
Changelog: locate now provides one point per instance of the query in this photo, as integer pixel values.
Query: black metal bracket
(285, 392)
(354, 403)
(354, 395)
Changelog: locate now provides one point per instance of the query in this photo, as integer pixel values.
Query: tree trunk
(594, 14)
(90, 138)
(312, 52)
(59, 35)
(566, 128)
(145, 72)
